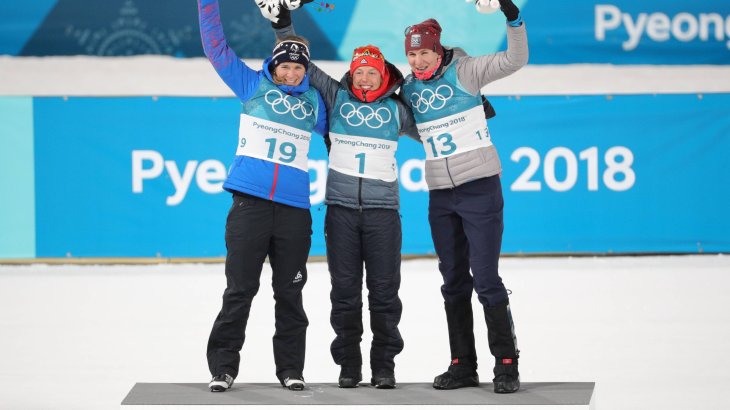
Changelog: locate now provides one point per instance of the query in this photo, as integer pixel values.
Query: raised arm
(476, 72)
(240, 78)
(283, 27)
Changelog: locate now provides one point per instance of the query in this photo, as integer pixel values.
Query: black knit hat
(290, 51)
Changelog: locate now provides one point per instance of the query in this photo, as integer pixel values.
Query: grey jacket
(473, 74)
(346, 190)
(351, 191)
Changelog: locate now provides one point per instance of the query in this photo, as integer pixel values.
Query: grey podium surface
(265, 395)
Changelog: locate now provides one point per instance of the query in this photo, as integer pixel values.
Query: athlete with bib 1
(362, 224)
(465, 194)
(270, 214)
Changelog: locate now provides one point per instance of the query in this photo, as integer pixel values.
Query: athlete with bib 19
(362, 224)
(465, 194)
(270, 215)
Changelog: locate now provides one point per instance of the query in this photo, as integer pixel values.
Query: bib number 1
(361, 160)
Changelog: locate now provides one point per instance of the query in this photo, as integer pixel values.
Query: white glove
(292, 4)
(487, 6)
(270, 9)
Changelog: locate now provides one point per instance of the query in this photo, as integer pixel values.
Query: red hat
(426, 34)
(370, 56)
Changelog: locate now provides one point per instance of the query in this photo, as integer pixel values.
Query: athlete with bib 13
(362, 224)
(465, 194)
(270, 214)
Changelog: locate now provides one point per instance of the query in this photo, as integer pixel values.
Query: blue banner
(578, 31)
(629, 32)
(633, 173)
(141, 177)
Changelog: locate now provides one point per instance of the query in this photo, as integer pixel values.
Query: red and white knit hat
(370, 56)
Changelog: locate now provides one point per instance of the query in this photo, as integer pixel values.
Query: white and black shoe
(294, 383)
(221, 383)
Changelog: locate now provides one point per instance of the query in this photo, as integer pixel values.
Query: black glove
(284, 19)
(509, 9)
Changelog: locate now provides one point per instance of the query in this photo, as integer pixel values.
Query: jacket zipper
(448, 171)
(273, 185)
(359, 194)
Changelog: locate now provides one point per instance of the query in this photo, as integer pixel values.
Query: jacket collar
(396, 79)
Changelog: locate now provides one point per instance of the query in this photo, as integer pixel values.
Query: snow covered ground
(651, 331)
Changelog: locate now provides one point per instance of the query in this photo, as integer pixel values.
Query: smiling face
(289, 74)
(366, 78)
(423, 60)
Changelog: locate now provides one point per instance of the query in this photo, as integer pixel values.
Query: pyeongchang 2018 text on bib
(273, 142)
(461, 132)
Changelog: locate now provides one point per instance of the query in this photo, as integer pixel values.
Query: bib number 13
(447, 145)
(287, 151)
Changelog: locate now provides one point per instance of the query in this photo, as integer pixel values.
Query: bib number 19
(287, 150)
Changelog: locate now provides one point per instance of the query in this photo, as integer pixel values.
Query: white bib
(364, 157)
(455, 134)
(273, 142)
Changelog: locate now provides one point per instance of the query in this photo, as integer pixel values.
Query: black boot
(506, 376)
(463, 369)
(383, 379)
(503, 345)
(350, 376)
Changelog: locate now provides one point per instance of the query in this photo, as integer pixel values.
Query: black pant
(372, 236)
(466, 226)
(256, 228)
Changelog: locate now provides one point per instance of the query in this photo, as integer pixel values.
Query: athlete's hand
(278, 11)
(294, 4)
(509, 9)
(270, 9)
(284, 19)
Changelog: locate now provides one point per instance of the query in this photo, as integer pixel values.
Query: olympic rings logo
(356, 116)
(282, 104)
(430, 99)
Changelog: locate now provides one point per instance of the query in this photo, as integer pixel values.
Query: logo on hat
(416, 40)
(366, 53)
(293, 56)
(364, 61)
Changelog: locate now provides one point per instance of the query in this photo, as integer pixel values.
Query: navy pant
(466, 226)
(372, 237)
(257, 228)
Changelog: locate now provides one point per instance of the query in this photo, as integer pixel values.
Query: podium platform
(249, 396)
